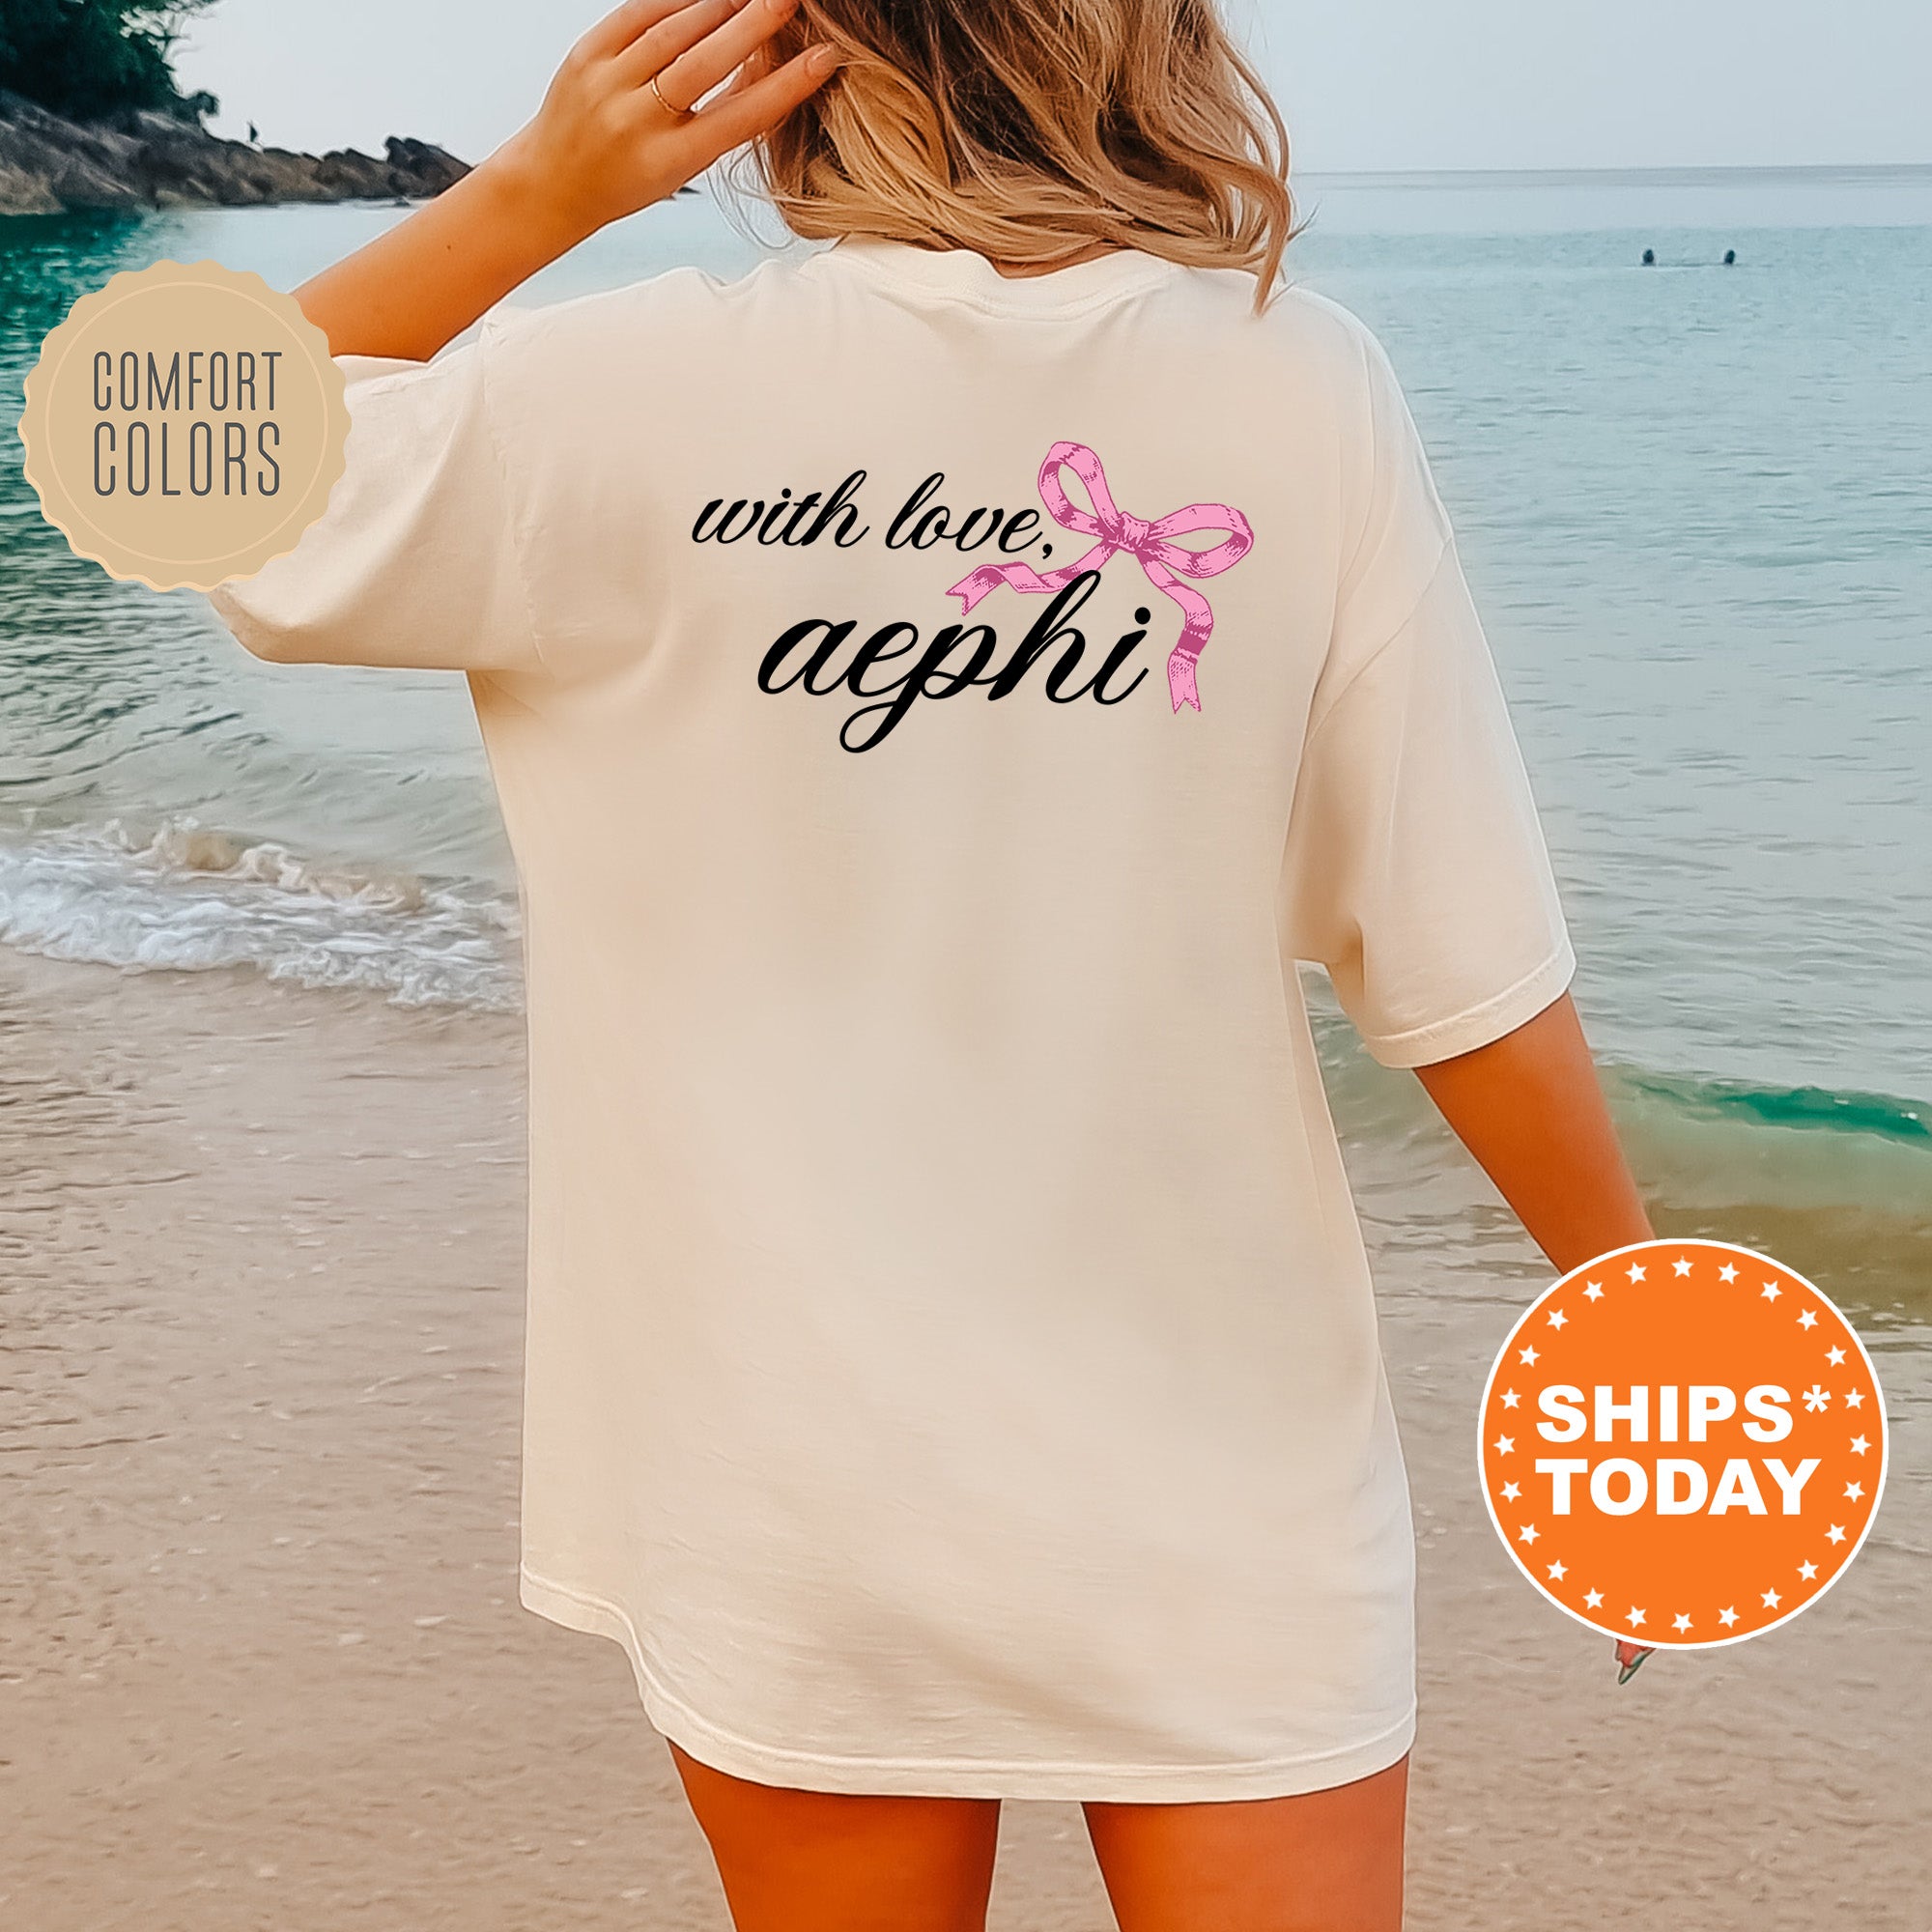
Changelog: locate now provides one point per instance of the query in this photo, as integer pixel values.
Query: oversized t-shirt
(931, 714)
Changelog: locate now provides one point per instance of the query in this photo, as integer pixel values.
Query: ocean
(1695, 504)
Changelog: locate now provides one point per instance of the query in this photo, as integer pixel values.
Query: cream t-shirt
(952, 1365)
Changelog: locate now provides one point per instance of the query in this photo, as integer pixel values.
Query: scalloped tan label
(185, 424)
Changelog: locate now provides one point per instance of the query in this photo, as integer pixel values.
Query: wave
(1835, 1183)
(1738, 1102)
(183, 896)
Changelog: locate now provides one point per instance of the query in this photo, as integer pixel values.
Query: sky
(1366, 85)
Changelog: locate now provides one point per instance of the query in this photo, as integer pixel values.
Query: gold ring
(675, 113)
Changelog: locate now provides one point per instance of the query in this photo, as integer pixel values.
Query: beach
(262, 1658)
(264, 1661)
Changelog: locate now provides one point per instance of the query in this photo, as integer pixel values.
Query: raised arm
(1530, 1108)
(603, 143)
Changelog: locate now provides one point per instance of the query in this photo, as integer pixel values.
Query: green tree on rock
(95, 60)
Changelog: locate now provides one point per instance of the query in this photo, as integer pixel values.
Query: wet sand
(261, 1662)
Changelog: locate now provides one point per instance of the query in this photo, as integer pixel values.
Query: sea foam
(184, 897)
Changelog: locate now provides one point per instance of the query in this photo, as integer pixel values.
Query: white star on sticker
(1816, 1398)
(1528, 1532)
(1771, 1290)
(1528, 1356)
(1835, 1356)
(1727, 1617)
(1855, 1398)
(1835, 1534)
(1771, 1600)
(1680, 1622)
(1557, 1317)
(1510, 1398)
(1505, 1444)
(1511, 1492)
(1808, 1319)
(1592, 1598)
(1594, 1293)
(1854, 1491)
(1860, 1445)
(1727, 1272)
(1557, 1573)
(1680, 1266)
(1634, 1271)
(1808, 1571)
(1635, 1618)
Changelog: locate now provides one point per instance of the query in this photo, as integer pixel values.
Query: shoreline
(260, 1250)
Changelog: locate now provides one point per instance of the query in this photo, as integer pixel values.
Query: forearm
(1530, 1108)
(420, 284)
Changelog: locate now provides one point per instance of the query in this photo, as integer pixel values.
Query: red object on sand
(1629, 1657)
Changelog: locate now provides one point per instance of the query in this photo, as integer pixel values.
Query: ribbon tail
(975, 584)
(1182, 687)
(1023, 578)
(1197, 626)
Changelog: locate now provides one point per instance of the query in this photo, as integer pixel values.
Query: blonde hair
(1028, 130)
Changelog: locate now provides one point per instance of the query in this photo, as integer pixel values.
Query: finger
(651, 53)
(688, 79)
(618, 29)
(738, 116)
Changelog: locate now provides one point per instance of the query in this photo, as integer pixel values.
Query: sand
(261, 1662)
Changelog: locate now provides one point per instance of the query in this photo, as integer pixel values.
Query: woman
(936, 689)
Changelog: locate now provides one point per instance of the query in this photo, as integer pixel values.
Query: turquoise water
(1696, 503)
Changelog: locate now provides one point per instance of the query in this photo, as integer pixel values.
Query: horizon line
(1691, 174)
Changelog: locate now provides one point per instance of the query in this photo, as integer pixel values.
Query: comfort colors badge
(185, 424)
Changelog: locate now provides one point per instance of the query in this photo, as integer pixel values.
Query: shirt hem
(1480, 1026)
(956, 1778)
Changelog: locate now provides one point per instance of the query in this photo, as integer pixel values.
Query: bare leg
(1330, 1861)
(821, 1862)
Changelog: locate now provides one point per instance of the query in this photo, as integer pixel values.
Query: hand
(606, 142)
(601, 146)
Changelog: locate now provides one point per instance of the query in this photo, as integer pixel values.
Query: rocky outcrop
(49, 165)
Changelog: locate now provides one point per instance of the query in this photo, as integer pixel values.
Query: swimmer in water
(1650, 258)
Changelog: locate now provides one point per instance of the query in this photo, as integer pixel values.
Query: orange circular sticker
(185, 424)
(1682, 1444)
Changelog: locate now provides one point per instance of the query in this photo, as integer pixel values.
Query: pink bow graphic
(1149, 544)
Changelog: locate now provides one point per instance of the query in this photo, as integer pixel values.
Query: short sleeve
(415, 563)
(1416, 871)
